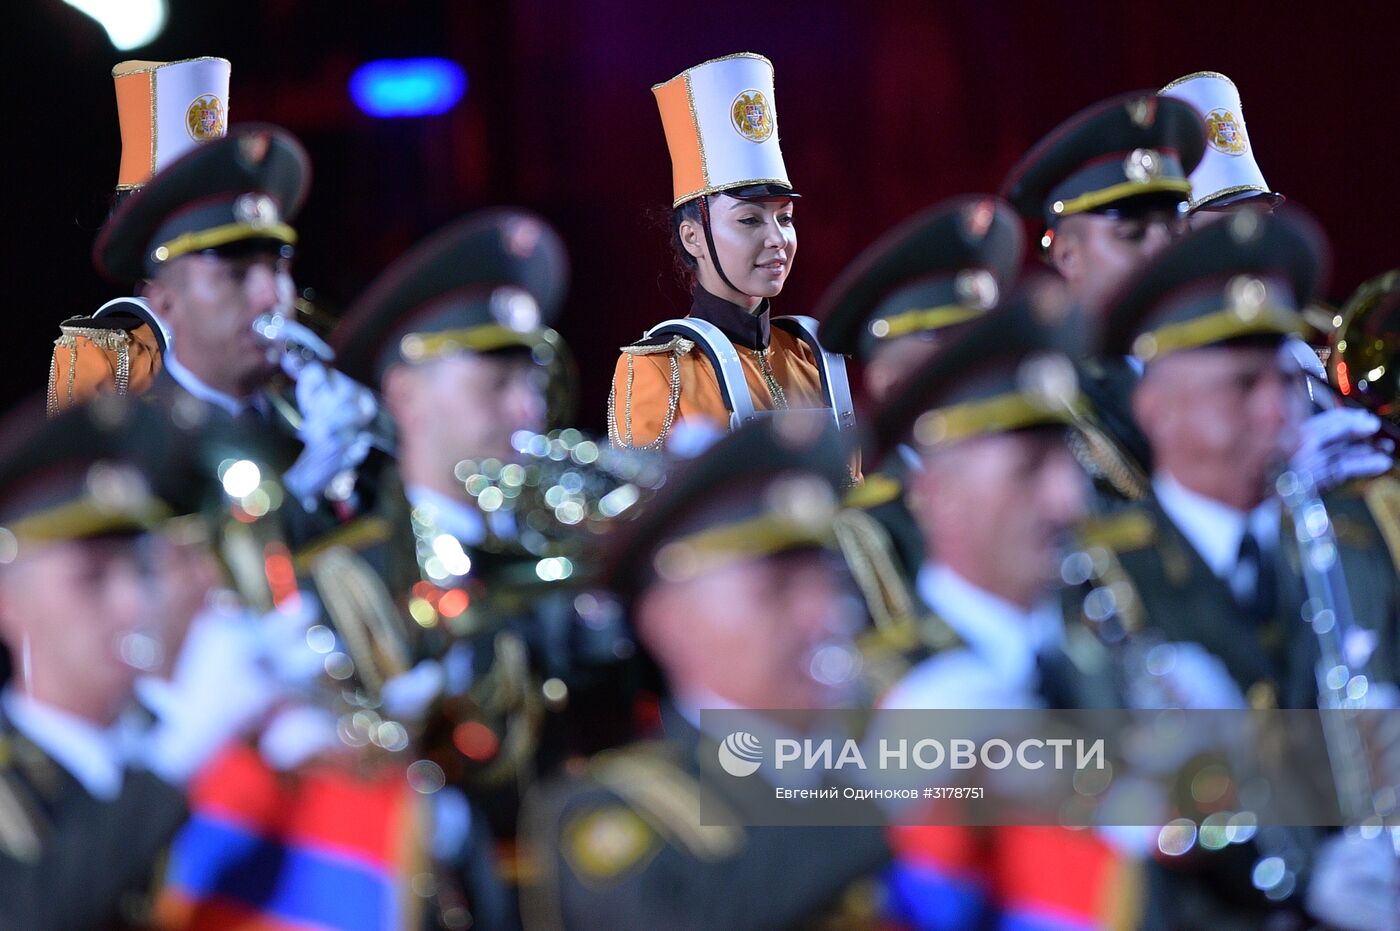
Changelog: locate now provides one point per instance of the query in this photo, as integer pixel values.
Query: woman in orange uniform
(732, 225)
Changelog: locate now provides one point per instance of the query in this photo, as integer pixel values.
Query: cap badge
(752, 116)
(1142, 166)
(977, 218)
(256, 210)
(205, 118)
(520, 236)
(1247, 296)
(976, 287)
(1224, 133)
(515, 308)
(1143, 111)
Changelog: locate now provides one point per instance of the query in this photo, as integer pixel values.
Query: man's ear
(693, 239)
(1067, 251)
(160, 294)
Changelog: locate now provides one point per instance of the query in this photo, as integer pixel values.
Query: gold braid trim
(677, 347)
(1101, 458)
(1383, 500)
(1108, 572)
(20, 822)
(53, 386)
(364, 615)
(774, 389)
(669, 800)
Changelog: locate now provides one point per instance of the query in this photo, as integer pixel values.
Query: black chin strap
(710, 241)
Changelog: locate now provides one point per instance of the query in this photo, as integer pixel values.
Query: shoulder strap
(668, 798)
(724, 359)
(832, 366)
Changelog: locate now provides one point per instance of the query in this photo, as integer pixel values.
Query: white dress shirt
(1215, 529)
(94, 756)
(191, 383)
(997, 666)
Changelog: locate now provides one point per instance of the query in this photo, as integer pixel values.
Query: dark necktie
(1253, 582)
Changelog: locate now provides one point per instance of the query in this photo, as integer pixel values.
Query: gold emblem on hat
(205, 118)
(1143, 165)
(1247, 295)
(752, 116)
(976, 287)
(1143, 111)
(1224, 133)
(977, 218)
(257, 210)
(1048, 380)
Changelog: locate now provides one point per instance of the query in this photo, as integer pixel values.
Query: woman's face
(755, 240)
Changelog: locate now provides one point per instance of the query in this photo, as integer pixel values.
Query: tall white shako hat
(722, 129)
(167, 108)
(1228, 172)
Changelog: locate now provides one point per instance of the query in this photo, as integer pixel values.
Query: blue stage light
(408, 86)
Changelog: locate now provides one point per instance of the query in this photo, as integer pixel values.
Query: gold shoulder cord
(1383, 500)
(869, 553)
(669, 800)
(676, 347)
(775, 390)
(1108, 572)
(1101, 458)
(19, 833)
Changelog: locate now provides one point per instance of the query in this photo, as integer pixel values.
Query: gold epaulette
(877, 489)
(358, 535)
(676, 347)
(1124, 531)
(116, 341)
(677, 344)
(21, 826)
(1383, 499)
(668, 798)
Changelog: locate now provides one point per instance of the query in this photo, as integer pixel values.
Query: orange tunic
(100, 356)
(656, 385)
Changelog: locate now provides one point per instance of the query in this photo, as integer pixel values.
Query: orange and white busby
(167, 108)
(1228, 172)
(722, 129)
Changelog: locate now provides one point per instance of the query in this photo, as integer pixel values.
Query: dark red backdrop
(885, 107)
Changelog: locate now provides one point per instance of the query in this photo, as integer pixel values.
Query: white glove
(1356, 884)
(219, 690)
(407, 695)
(1183, 675)
(1340, 445)
(335, 412)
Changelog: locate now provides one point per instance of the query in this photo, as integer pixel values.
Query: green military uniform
(1125, 154)
(489, 284)
(632, 853)
(68, 859)
(1243, 279)
(939, 269)
(621, 844)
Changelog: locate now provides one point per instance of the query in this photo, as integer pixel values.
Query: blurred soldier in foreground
(997, 493)
(1210, 559)
(732, 594)
(90, 793)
